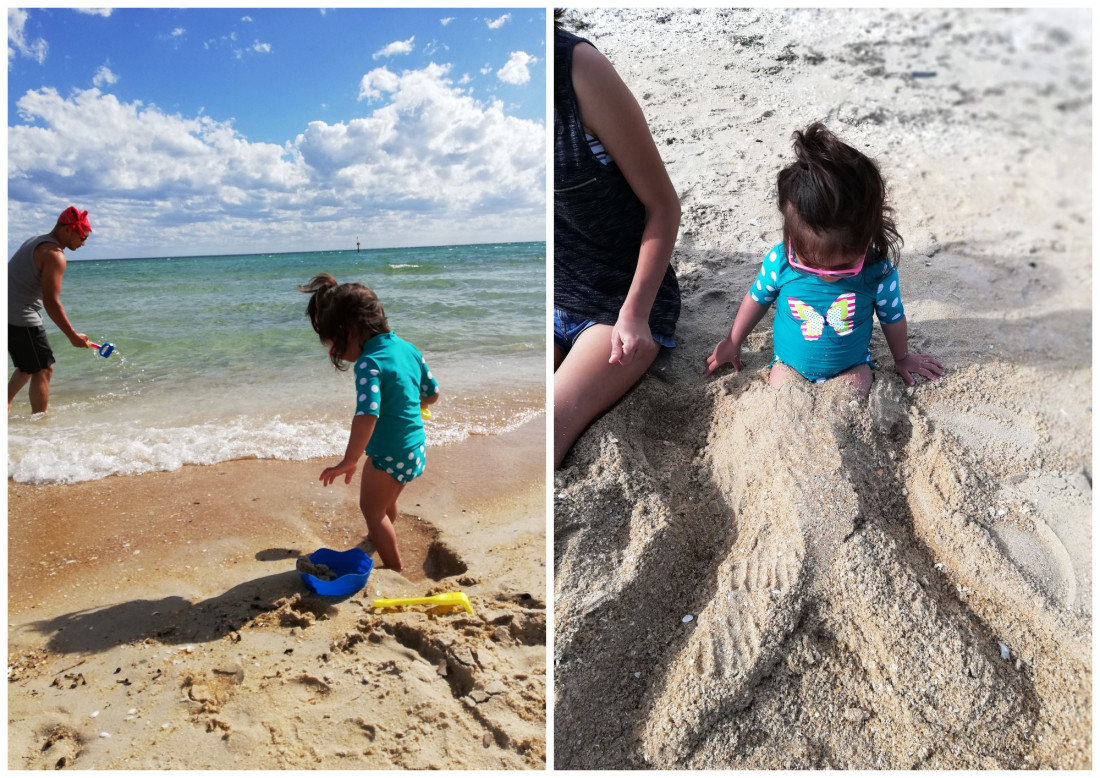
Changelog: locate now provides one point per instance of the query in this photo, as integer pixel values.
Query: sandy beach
(802, 578)
(157, 621)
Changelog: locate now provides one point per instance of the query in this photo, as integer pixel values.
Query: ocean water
(215, 358)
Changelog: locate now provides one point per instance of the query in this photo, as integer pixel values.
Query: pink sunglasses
(813, 271)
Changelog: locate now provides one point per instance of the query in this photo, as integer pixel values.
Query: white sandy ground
(157, 621)
(897, 582)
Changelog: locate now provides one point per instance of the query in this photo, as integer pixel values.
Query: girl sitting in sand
(836, 264)
(393, 384)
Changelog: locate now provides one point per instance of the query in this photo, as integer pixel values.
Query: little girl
(836, 264)
(393, 385)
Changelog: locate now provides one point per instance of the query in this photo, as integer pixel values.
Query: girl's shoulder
(775, 260)
(879, 267)
(774, 274)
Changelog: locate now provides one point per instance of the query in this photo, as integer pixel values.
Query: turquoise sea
(216, 360)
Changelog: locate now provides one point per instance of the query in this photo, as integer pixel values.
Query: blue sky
(209, 131)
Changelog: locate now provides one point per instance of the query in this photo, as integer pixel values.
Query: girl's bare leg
(781, 374)
(860, 377)
(586, 384)
(377, 498)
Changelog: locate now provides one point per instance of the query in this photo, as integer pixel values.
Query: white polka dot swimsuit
(391, 377)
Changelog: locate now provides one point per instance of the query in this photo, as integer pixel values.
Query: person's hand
(627, 337)
(345, 468)
(80, 340)
(912, 365)
(726, 351)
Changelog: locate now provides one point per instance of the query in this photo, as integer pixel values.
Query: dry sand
(897, 582)
(157, 621)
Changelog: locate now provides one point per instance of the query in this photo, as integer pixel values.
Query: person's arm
(53, 268)
(729, 350)
(909, 365)
(362, 427)
(610, 112)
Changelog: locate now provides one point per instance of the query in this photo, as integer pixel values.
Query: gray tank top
(25, 284)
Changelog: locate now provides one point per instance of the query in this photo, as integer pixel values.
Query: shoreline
(192, 571)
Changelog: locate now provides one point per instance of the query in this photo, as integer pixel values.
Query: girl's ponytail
(838, 195)
(339, 312)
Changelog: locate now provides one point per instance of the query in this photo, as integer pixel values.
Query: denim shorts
(568, 327)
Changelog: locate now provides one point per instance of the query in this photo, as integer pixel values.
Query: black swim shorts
(29, 349)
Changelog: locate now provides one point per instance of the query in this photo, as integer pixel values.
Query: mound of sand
(751, 578)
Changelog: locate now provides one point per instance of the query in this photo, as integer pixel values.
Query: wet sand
(157, 621)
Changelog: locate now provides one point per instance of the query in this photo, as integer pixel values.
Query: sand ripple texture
(902, 581)
(252, 680)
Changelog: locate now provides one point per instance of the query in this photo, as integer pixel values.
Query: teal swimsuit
(390, 379)
(821, 329)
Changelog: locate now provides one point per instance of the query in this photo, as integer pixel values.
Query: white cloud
(486, 70)
(373, 84)
(18, 45)
(178, 32)
(397, 47)
(430, 147)
(427, 164)
(261, 48)
(104, 12)
(515, 71)
(246, 18)
(446, 20)
(496, 24)
(104, 76)
(465, 79)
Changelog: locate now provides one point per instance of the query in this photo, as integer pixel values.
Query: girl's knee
(860, 377)
(780, 374)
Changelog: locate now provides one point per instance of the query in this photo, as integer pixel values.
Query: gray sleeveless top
(25, 284)
(598, 220)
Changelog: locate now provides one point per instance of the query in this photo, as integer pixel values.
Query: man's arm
(53, 268)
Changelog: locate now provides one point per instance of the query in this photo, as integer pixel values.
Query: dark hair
(339, 312)
(833, 199)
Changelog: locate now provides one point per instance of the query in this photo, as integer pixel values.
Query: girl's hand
(726, 351)
(918, 364)
(628, 337)
(345, 468)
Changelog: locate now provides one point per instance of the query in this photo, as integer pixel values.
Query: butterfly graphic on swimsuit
(839, 316)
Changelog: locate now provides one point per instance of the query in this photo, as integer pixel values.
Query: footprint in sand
(60, 749)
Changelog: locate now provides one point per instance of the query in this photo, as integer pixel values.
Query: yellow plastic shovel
(450, 599)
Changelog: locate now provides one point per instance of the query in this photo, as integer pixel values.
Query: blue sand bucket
(353, 566)
(104, 350)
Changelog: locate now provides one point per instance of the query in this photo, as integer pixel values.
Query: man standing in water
(34, 283)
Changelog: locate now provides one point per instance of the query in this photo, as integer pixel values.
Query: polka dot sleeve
(766, 286)
(888, 305)
(428, 385)
(368, 388)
